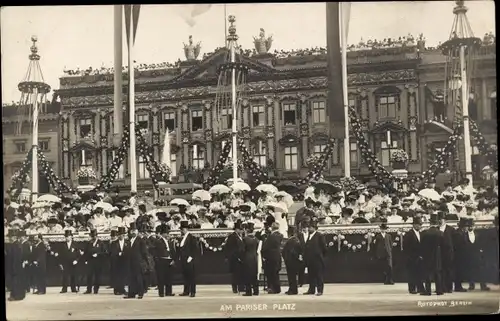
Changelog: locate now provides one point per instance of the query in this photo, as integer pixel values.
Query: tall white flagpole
(118, 80)
(34, 156)
(232, 47)
(132, 153)
(343, 45)
(465, 115)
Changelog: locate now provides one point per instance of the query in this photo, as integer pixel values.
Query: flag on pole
(133, 9)
(335, 16)
(165, 157)
(189, 13)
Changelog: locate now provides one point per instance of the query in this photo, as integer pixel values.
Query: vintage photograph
(250, 160)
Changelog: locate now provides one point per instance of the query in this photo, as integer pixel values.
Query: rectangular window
(387, 152)
(289, 114)
(169, 120)
(173, 164)
(319, 149)
(227, 118)
(86, 128)
(258, 116)
(20, 147)
(260, 153)
(319, 112)
(143, 121)
(354, 154)
(143, 171)
(196, 120)
(291, 158)
(198, 157)
(387, 107)
(43, 145)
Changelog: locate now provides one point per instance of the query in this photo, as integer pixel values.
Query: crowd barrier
(349, 259)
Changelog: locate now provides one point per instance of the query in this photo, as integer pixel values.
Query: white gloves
(94, 255)
(56, 254)
(189, 259)
(120, 254)
(74, 262)
(305, 270)
(35, 262)
(300, 257)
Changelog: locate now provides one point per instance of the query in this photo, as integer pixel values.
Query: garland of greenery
(258, 175)
(108, 179)
(482, 145)
(19, 181)
(215, 173)
(318, 168)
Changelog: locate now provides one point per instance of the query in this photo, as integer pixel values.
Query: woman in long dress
(282, 217)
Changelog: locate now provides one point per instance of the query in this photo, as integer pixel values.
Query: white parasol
(219, 189)
(105, 206)
(14, 205)
(240, 187)
(202, 195)
(287, 198)
(277, 207)
(267, 188)
(49, 198)
(430, 193)
(179, 201)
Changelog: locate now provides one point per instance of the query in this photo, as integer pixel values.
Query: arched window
(198, 156)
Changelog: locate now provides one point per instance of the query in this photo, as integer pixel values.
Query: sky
(82, 36)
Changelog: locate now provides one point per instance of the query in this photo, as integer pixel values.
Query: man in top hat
(234, 249)
(27, 246)
(461, 257)
(475, 247)
(137, 257)
(118, 251)
(149, 275)
(432, 241)
(414, 259)
(314, 253)
(293, 257)
(447, 253)
(165, 253)
(188, 254)
(93, 255)
(360, 219)
(250, 262)
(271, 253)
(17, 284)
(113, 236)
(39, 259)
(68, 259)
(382, 249)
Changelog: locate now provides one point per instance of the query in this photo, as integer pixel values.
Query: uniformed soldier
(250, 263)
(94, 254)
(432, 241)
(165, 253)
(293, 257)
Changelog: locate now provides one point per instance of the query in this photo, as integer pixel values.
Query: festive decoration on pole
(485, 149)
(19, 181)
(258, 175)
(215, 173)
(318, 168)
(55, 182)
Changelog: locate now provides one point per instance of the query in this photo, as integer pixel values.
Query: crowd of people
(261, 221)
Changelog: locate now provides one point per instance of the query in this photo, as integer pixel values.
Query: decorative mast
(231, 40)
(460, 52)
(33, 93)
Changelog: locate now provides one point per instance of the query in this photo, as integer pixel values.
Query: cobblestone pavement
(216, 301)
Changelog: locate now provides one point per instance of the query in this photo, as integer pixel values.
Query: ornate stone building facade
(284, 115)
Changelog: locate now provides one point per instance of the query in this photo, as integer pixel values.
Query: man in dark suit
(303, 234)
(447, 253)
(17, 286)
(94, 253)
(40, 264)
(137, 257)
(413, 252)
(292, 255)
(460, 262)
(314, 256)
(303, 212)
(382, 248)
(188, 255)
(475, 247)
(107, 249)
(250, 261)
(234, 249)
(118, 251)
(432, 241)
(68, 258)
(165, 254)
(271, 253)
(27, 246)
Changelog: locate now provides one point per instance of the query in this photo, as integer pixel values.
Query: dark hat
(21, 233)
(270, 220)
(451, 217)
(291, 230)
(184, 224)
(308, 212)
(93, 232)
(238, 225)
(434, 219)
(441, 215)
(318, 203)
(348, 211)
(132, 226)
(462, 222)
(163, 228)
(113, 233)
(121, 230)
(309, 200)
(68, 233)
(250, 224)
(469, 221)
(417, 220)
(245, 208)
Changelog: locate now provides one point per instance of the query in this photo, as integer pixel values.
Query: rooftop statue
(192, 51)
(262, 44)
